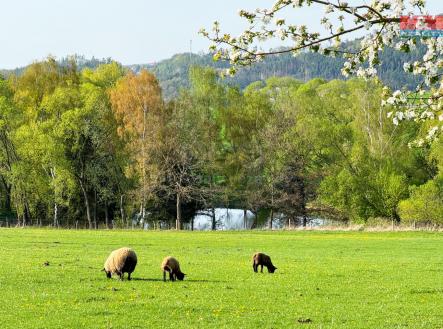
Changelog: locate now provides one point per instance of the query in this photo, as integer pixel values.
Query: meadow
(52, 279)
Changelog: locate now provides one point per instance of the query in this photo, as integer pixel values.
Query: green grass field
(324, 280)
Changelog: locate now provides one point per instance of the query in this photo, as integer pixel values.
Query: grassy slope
(338, 280)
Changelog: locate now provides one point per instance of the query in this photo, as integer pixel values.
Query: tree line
(101, 147)
(173, 73)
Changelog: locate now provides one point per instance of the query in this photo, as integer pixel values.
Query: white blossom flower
(425, 102)
(266, 19)
(329, 9)
(361, 72)
(407, 67)
(391, 100)
(432, 132)
(410, 114)
(281, 33)
(234, 56)
(396, 93)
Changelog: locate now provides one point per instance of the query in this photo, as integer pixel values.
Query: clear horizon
(137, 32)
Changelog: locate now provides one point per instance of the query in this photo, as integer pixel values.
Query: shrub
(425, 204)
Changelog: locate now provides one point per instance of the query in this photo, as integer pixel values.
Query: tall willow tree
(107, 176)
(33, 176)
(65, 143)
(9, 120)
(205, 101)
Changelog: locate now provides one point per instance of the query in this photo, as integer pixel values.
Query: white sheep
(121, 261)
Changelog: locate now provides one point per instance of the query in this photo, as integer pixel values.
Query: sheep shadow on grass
(203, 281)
(186, 280)
(146, 279)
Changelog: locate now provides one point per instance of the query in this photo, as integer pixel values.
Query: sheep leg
(129, 276)
(164, 276)
(254, 266)
(171, 276)
(261, 268)
(121, 276)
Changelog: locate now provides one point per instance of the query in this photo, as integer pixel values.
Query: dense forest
(102, 147)
(173, 73)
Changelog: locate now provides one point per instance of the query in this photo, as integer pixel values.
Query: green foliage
(425, 203)
(375, 194)
(102, 145)
(356, 155)
(64, 140)
(173, 73)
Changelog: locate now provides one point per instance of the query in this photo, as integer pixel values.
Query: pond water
(227, 219)
(233, 219)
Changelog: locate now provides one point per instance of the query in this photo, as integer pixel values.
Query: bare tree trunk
(142, 210)
(271, 217)
(7, 190)
(55, 214)
(142, 219)
(122, 213)
(213, 221)
(18, 217)
(179, 213)
(27, 215)
(85, 196)
(304, 221)
(52, 172)
(7, 198)
(95, 208)
(106, 215)
(143, 213)
(254, 222)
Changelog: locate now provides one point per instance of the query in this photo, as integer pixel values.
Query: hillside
(173, 72)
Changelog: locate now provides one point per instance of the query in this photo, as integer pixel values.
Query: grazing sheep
(120, 261)
(171, 265)
(262, 260)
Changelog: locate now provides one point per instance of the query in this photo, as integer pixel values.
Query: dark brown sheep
(262, 260)
(121, 261)
(172, 266)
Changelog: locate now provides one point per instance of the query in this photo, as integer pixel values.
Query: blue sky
(130, 31)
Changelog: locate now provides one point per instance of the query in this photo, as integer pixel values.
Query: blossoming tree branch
(380, 20)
